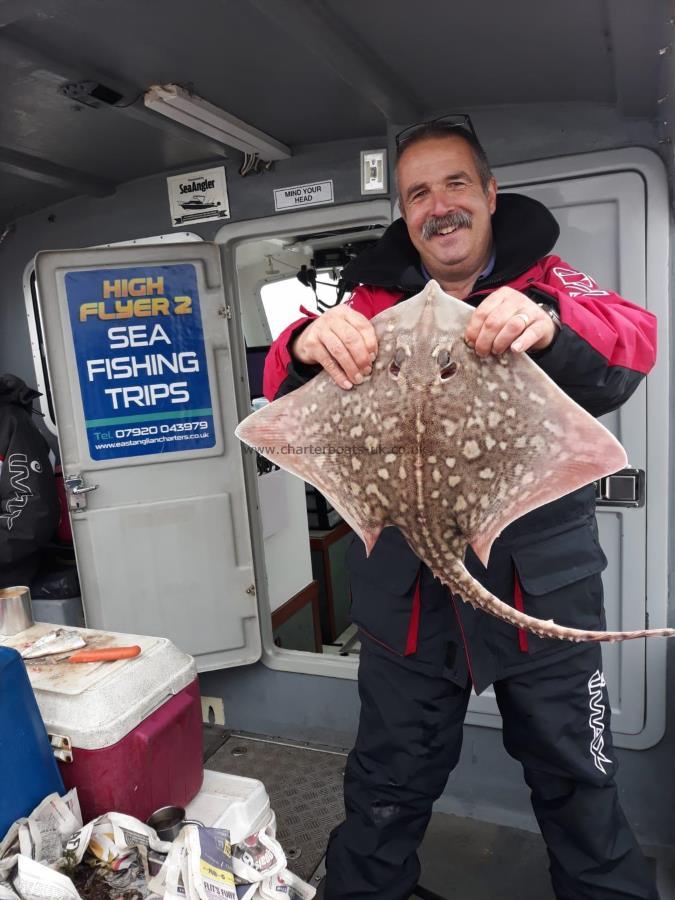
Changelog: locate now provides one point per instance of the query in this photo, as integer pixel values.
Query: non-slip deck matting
(304, 787)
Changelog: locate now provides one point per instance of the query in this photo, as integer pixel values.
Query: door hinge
(225, 312)
(251, 590)
(625, 488)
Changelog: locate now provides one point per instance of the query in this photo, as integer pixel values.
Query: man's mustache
(436, 224)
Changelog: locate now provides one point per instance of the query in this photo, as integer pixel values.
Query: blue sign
(139, 346)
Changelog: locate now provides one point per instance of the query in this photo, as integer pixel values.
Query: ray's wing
(341, 441)
(515, 440)
(546, 446)
(331, 438)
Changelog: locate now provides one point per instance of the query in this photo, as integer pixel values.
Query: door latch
(625, 488)
(77, 491)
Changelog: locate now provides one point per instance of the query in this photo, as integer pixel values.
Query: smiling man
(422, 649)
(448, 197)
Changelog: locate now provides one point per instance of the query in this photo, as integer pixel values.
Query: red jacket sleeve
(607, 344)
(282, 373)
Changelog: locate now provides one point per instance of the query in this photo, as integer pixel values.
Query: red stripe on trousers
(520, 606)
(414, 626)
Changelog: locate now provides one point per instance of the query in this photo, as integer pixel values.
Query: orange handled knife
(104, 654)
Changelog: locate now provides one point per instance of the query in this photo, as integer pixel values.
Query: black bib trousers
(556, 723)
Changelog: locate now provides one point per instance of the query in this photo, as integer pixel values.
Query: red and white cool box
(129, 732)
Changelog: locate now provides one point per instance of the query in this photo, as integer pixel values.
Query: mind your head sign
(141, 360)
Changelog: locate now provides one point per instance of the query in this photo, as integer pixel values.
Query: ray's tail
(471, 591)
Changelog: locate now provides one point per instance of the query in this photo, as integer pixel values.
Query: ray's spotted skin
(449, 447)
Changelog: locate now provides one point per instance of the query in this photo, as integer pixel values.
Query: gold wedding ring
(523, 316)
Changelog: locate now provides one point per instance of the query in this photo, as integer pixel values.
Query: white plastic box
(229, 801)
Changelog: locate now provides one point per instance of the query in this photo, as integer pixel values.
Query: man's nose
(441, 204)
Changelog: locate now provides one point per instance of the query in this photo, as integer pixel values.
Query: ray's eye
(397, 361)
(447, 366)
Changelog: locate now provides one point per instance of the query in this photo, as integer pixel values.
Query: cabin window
(282, 299)
(294, 514)
(301, 540)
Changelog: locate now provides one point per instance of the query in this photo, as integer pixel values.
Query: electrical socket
(213, 711)
(373, 171)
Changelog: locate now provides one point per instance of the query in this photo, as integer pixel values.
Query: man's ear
(492, 195)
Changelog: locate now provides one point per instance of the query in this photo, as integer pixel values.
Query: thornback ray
(447, 446)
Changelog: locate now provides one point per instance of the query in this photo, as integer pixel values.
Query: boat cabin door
(140, 360)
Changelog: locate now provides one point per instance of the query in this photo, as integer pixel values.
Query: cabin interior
(574, 104)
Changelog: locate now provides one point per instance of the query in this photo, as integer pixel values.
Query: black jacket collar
(523, 230)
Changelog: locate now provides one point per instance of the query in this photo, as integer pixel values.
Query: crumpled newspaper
(41, 836)
(202, 865)
(40, 856)
(285, 885)
(51, 855)
(259, 864)
(199, 865)
(257, 857)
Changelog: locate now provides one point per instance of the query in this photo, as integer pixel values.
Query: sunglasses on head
(460, 121)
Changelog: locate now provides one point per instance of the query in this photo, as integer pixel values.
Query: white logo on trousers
(597, 720)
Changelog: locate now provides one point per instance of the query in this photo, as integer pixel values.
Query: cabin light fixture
(193, 112)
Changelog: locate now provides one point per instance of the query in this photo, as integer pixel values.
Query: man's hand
(508, 319)
(342, 341)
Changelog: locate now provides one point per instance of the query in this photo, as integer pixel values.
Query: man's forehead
(451, 153)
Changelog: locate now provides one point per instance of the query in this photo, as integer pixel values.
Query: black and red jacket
(549, 561)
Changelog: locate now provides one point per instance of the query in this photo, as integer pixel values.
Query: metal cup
(16, 612)
(168, 822)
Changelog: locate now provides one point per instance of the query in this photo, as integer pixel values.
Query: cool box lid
(98, 704)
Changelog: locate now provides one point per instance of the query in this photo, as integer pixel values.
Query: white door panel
(163, 543)
(602, 221)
